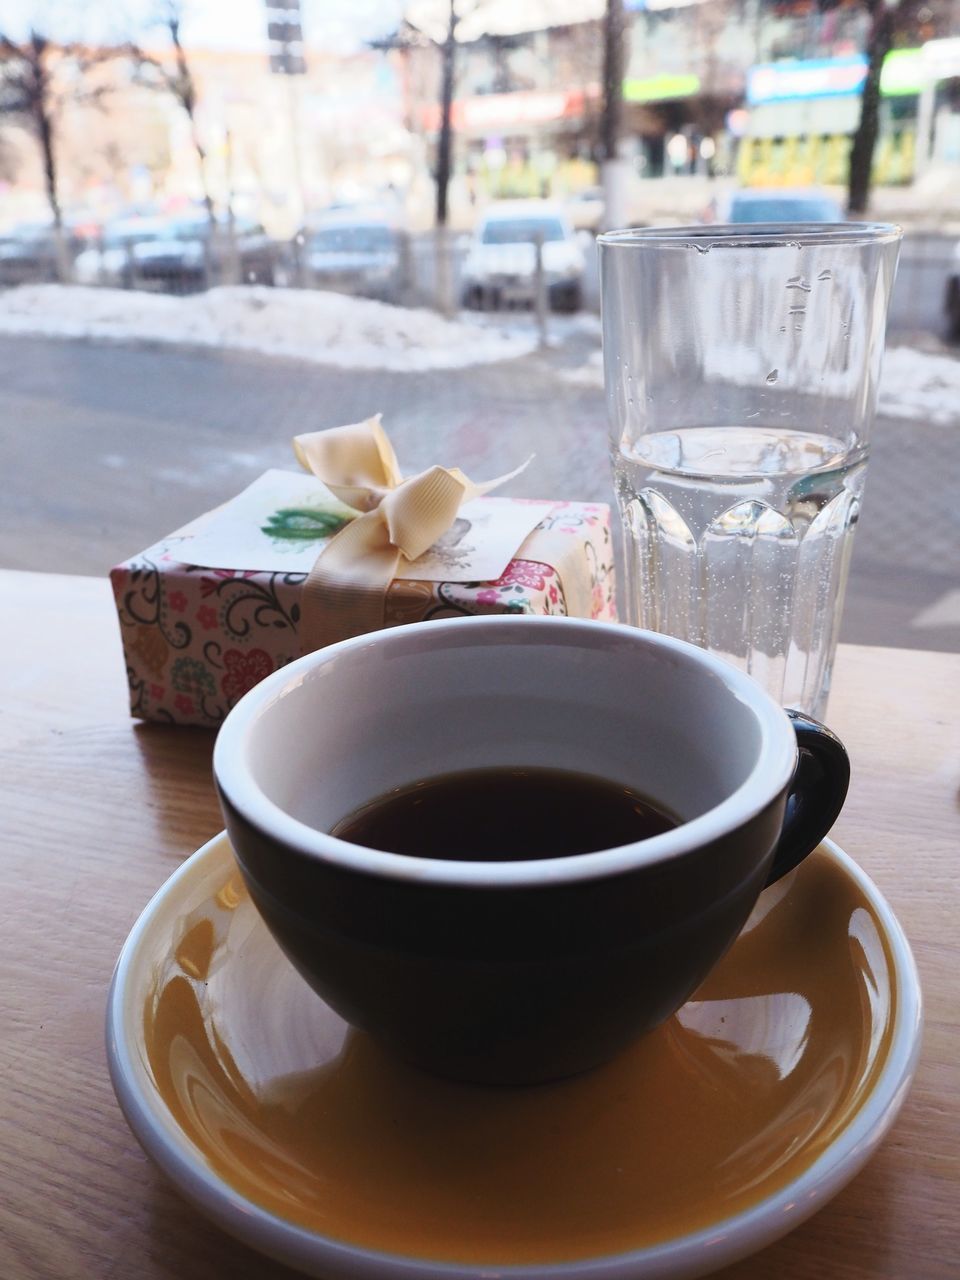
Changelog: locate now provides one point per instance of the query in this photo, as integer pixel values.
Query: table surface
(96, 811)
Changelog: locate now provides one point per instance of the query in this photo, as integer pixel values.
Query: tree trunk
(8, 162)
(611, 124)
(448, 53)
(45, 133)
(231, 267)
(185, 90)
(614, 170)
(45, 130)
(865, 138)
(212, 243)
(204, 183)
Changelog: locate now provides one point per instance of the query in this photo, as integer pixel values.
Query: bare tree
(444, 32)
(408, 37)
(179, 82)
(611, 125)
(177, 79)
(613, 168)
(879, 42)
(39, 79)
(448, 74)
(890, 21)
(8, 161)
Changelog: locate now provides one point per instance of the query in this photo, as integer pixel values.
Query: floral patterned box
(196, 639)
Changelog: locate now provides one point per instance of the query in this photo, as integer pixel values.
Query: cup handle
(816, 794)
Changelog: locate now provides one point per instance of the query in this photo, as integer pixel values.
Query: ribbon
(345, 590)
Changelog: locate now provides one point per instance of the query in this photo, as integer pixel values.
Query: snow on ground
(589, 374)
(356, 333)
(919, 385)
(561, 327)
(324, 328)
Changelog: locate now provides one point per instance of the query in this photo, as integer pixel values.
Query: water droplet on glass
(773, 375)
(797, 311)
(798, 282)
(825, 274)
(783, 328)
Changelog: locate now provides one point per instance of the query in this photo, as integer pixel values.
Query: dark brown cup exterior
(513, 984)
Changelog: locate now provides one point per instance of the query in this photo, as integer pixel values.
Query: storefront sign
(811, 78)
(832, 77)
(941, 58)
(660, 88)
(499, 111)
(902, 73)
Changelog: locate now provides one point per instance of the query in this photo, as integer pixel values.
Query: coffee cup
(530, 969)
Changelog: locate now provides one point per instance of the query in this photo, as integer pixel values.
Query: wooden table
(98, 810)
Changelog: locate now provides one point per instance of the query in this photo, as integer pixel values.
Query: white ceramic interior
(344, 725)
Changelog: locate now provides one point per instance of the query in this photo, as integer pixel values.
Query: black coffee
(505, 815)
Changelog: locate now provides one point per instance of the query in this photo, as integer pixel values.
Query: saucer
(705, 1141)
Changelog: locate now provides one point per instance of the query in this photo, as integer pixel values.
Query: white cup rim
(771, 773)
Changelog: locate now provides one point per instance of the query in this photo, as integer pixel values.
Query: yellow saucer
(703, 1142)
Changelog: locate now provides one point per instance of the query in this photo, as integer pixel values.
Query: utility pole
(287, 59)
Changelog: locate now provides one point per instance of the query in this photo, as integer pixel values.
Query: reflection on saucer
(728, 1102)
(752, 1034)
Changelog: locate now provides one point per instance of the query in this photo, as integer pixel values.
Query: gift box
(211, 610)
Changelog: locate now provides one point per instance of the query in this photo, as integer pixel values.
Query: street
(109, 447)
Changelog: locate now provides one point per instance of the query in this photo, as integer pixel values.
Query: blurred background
(176, 144)
(264, 216)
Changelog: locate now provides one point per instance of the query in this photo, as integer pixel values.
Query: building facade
(768, 89)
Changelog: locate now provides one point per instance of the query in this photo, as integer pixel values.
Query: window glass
(224, 223)
(521, 230)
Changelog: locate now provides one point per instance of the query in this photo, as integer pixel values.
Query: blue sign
(806, 78)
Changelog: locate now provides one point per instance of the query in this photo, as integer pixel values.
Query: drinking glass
(741, 366)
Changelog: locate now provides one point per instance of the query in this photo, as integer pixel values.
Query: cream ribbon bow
(345, 591)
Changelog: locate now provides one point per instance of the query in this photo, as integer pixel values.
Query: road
(107, 448)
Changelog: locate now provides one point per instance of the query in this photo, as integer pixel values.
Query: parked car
(112, 261)
(500, 268)
(355, 254)
(952, 296)
(585, 208)
(185, 256)
(774, 205)
(28, 255)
